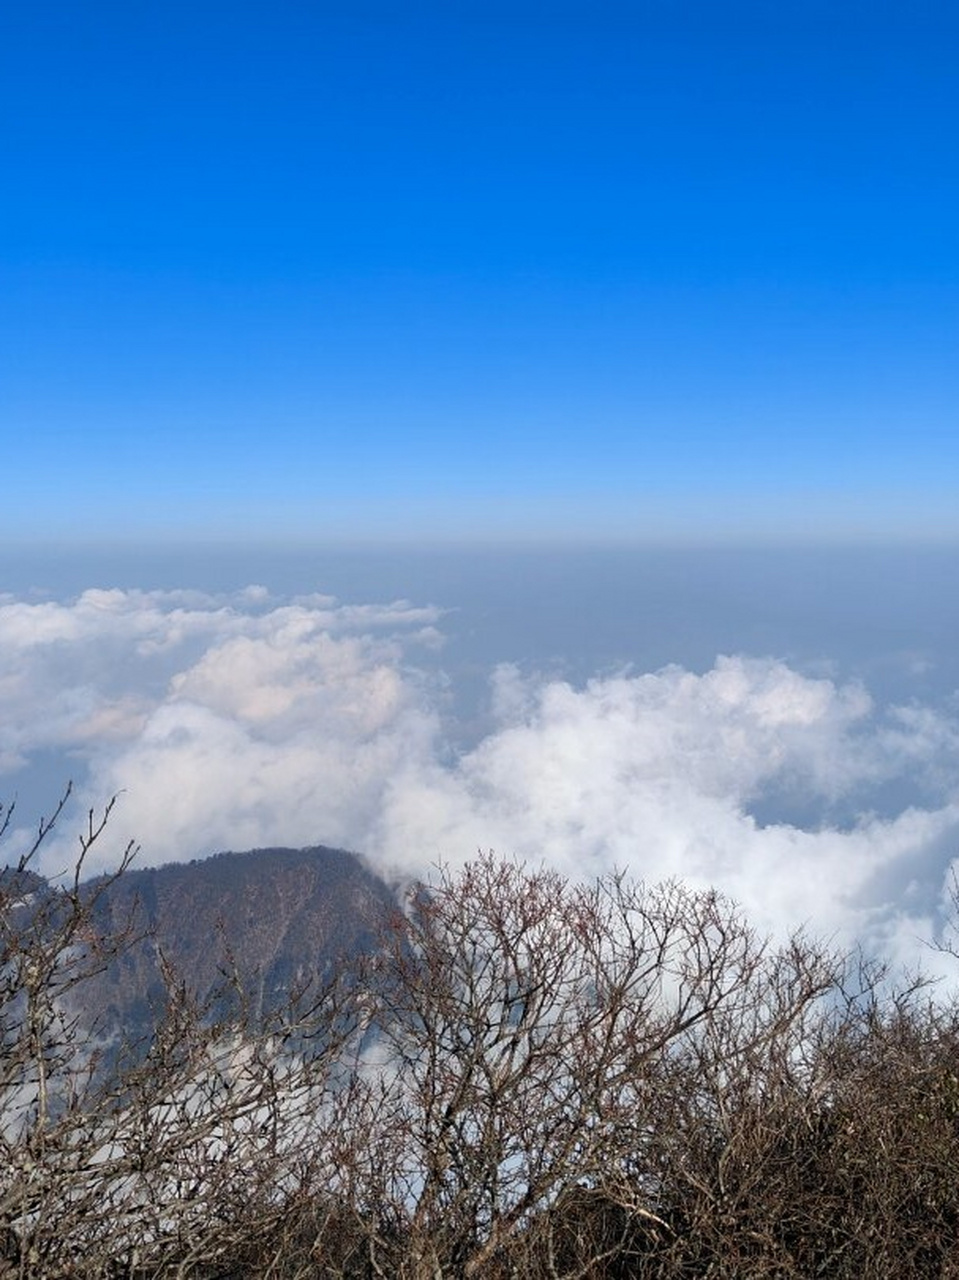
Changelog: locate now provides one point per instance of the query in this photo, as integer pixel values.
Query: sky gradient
(298, 299)
(668, 271)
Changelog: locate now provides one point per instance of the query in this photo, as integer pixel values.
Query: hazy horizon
(783, 725)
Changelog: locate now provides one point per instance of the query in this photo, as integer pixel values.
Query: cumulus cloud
(224, 723)
(658, 774)
(241, 721)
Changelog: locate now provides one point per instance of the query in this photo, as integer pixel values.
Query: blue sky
(369, 271)
(295, 299)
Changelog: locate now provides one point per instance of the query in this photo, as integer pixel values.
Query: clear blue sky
(652, 269)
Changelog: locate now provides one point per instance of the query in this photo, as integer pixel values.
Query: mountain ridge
(271, 920)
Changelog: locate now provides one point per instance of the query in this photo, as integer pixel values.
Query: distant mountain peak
(276, 916)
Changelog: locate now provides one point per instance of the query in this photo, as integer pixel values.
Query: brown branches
(531, 1033)
(526, 1077)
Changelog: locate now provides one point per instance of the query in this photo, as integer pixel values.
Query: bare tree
(527, 1077)
(48, 948)
(191, 1149)
(530, 1034)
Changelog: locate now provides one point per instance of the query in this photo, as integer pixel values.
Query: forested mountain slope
(271, 918)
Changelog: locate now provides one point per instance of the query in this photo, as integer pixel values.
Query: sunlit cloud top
(243, 721)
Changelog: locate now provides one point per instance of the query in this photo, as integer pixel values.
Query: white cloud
(657, 774)
(231, 722)
(224, 723)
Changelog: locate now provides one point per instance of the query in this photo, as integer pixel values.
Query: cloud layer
(235, 722)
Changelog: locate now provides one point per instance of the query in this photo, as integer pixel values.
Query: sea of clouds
(242, 721)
